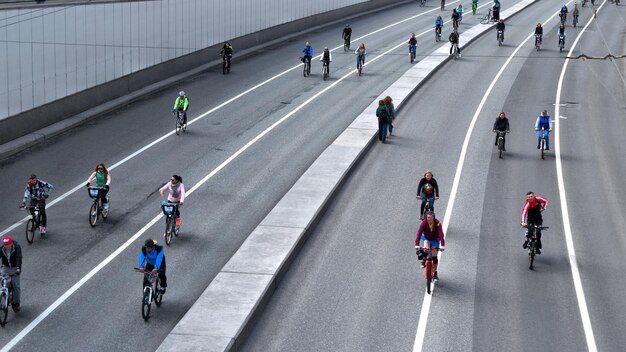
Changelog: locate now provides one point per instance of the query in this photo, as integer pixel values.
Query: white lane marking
(423, 319)
(567, 229)
(132, 239)
(238, 96)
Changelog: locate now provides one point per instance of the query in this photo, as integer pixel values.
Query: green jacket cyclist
(181, 103)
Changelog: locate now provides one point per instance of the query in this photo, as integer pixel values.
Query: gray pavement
(355, 284)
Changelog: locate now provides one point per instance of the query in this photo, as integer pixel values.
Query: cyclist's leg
(431, 202)
(102, 194)
(547, 134)
(185, 115)
(424, 199)
(15, 281)
(42, 210)
(147, 268)
(31, 207)
(162, 276)
(538, 139)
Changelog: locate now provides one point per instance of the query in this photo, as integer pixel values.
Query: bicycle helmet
(181, 93)
(7, 240)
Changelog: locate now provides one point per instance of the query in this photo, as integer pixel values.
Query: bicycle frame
(429, 266)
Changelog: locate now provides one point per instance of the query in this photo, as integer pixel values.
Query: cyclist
(459, 10)
(103, 180)
(227, 51)
(575, 12)
(307, 51)
(501, 124)
(412, 43)
(360, 54)
(439, 24)
(427, 191)
(543, 121)
(474, 6)
(455, 19)
(12, 265)
(37, 194)
(176, 194)
(539, 32)
(496, 10)
(531, 215)
(454, 39)
(181, 104)
(443, 5)
(561, 33)
(563, 13)
(152, 258)
(326, 58)
(431, 232)
(500, 27)
(346, 35)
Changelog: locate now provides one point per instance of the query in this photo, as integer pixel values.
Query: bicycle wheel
(484, 20)
(531, 254)
(325, 73)
(4, 308)
(30, 231)
(158, 297)
(500, 148)
(93, 213)
(168, 231)
(308, 68)
(304, 70)
(429, 274)
(543, 147)
(224, 67)
(146, 303)
(178, 125)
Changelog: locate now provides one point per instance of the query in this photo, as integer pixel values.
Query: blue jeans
(547, 135)
(431, 202)
(360, 58)
(382, 131)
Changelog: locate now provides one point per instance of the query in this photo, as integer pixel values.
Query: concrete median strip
(224, 314)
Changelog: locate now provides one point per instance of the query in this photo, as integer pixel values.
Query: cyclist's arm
(549, 123)
(49, 186)
(142, 260)
(442, 239)
(436, 187)
(508, 128)
(522, 219)
(159, 260)
(91, 177)
(182, 193)
(18, 256)
(26, 194)
(537, 123)
(543, 201)
(108, 179)
(165, 188)
(419, 186)
(185, 104)
(420, 231)
(176, 103)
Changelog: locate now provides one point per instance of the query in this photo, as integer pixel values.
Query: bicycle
(325, 70)
(97, 209)
(561, 42)
(359, 64)
(412, 50)
(346, 44)
(429, 266)
(500, 37)
(33, 224)
(306, 70)
(437, 34)
(501, 135)
(169, 210)
(532, 243)
(487, 18)
(226, 63)
(563, 17)
(542, 142)
(427, 206)
(181, 125)
(537, 41)
(151, 293)
(6, 296)
(574, 20)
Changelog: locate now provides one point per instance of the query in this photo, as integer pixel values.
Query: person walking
(391, 110)
(383, 120)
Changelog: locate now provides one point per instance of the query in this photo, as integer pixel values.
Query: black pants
(102, 194)
(496, 15)
(538, 223)
(457, 48)
(184, 114)
(42, 210)
(162, 277)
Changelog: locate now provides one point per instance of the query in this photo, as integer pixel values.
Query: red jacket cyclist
(431, 232)
(531, 215)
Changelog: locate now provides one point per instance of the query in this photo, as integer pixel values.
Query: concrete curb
(19, 144)
(223, 316)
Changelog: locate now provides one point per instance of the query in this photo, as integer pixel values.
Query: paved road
(217, 217)
(356, 284)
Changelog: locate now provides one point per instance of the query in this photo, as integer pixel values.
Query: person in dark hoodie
(11, 254)
(383, 120)
(427, 191)
(391, 110)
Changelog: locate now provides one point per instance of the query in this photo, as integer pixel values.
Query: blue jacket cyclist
(152, 258)
(543, 122)
(307, 51)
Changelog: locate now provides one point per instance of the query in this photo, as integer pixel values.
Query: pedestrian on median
(11, 254)
(496, 10)
(391, 110)
(383, 120)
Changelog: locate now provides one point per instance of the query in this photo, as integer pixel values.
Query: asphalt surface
(356, 284)
(104, 314)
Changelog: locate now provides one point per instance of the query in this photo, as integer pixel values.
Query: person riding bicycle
(531, 215)
(454, 39)
(496, 10)
(326, 58)
(176, 194)
(152, 258)
(360, 54)
(459, 10)
(181, 104)
(347, 34)
(36, 194)
(500, 27)
(103, 181)
(227, 51)
(539, 32)
(455, 19)
(12, 265)
(501, 124)
(543, 122)
(412, 42)
(561, 33)
(439, 24)
(443, 5)
(307, 51)
(427, 191)
(563, 13)
(431, 232)
(575, 12)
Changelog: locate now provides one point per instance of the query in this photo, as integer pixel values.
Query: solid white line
(132, 239)
(212, 110)
(567, 229)
(423, 319)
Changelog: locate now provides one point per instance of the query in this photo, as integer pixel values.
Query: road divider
(224, 314)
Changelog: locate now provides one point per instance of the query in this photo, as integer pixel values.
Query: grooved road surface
(356, 284)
